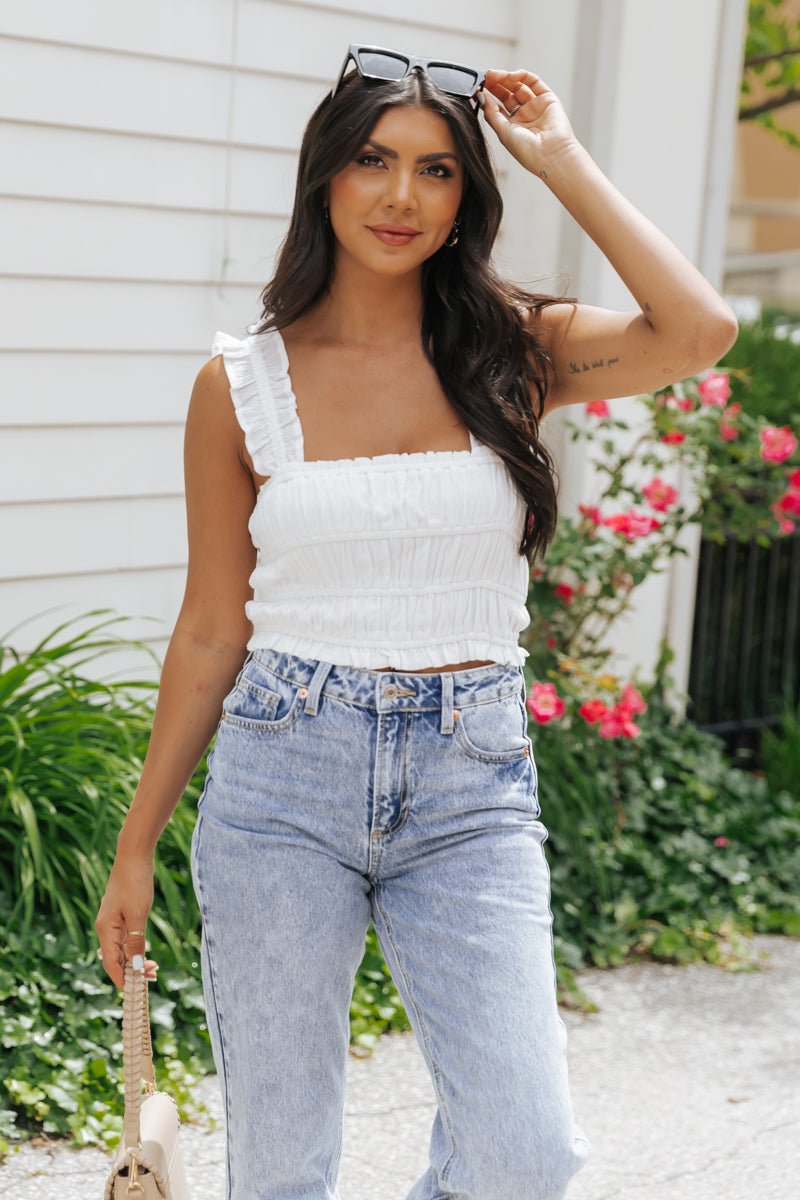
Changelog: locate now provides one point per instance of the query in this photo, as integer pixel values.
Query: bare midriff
(433, 670)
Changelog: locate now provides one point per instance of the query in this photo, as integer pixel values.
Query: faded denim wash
(335, 796)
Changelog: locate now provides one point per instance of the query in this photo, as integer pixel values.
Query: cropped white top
(402, 560)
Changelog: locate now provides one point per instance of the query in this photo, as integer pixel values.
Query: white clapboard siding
(141, 171)
(270, 35)
(79, 463)
(107, 534)
(66, 389)
(149, 163)
(47, 240)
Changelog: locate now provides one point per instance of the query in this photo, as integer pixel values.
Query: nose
(400, 192)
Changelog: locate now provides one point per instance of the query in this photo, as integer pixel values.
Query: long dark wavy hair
(473, 332)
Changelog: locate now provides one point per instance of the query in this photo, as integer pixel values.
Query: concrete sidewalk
(687, 1083)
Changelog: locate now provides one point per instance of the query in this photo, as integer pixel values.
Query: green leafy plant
(659, 846)
(780, 752)
(771, 68)
(763, 368)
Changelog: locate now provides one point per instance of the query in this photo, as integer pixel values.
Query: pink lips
(394, 237)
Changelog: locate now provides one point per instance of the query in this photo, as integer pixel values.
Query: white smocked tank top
(404, 560)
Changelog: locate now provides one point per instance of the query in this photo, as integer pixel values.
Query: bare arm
(208, 644)
(205, 653)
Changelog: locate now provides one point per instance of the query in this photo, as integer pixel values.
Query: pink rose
(592, 513)
(598, 408)
(721, 841)
(789, 502)
(777, 443)
(727, 429)
(785, 524)
(632, 524)
(632, 699)
(660, 495)
(673, 438)
(714, 388)
(544, 703)
(564, 592)
(617, 723)
(592, 710)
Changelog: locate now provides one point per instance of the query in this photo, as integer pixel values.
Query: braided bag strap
(137, 1051)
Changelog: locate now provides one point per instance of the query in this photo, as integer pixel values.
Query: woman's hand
(127, 900)
(527, 117)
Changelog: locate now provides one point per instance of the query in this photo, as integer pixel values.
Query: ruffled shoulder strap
(262, 396)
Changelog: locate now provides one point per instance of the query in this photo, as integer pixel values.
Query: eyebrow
(421, 158)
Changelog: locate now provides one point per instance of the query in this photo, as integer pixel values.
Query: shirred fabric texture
(402, 560)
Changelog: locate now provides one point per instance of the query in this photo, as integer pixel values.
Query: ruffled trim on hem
(404, 659)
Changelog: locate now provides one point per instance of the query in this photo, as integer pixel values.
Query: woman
(369, 460)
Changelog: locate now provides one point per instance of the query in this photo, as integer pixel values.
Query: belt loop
(447, 702)
(315, 687)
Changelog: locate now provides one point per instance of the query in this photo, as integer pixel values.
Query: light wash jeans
(336, 796)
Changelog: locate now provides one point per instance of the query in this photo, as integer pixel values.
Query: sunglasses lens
(384, 66)
(459, 81)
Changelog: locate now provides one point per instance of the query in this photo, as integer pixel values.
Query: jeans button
(390, 692)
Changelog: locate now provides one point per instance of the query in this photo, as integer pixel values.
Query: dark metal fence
(746, 638)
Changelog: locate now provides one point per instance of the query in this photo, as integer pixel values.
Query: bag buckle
(134, 1188)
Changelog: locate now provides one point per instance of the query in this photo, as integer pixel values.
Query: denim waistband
(387, 691)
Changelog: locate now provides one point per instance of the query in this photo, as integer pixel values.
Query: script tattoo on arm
(576, 369)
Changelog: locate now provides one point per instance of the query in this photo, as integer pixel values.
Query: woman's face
(387, 184)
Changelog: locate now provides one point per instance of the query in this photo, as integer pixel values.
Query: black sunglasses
(375, 62)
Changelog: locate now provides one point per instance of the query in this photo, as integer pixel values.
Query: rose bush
(657, 845)
(744, 478)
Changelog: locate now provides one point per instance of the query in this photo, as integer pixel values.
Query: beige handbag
(148, 1160)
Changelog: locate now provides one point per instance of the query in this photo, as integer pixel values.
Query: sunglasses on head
(375, 62)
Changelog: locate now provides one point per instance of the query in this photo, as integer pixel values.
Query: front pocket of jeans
(256, 706)
(495, 732)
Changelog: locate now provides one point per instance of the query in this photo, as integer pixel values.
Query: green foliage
(632, 825)
(764, 365)
(61, 1038)
(376, 1007)
(780, 752)
(771, 69)
(71, 754)
(633, 810)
